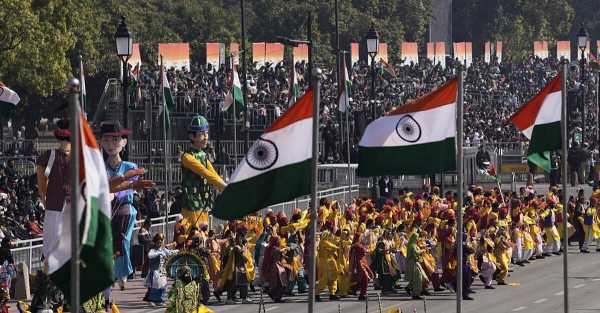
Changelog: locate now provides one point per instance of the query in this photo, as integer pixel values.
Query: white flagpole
(235, 151)
(165, 153)
(563, 161)
(74, 99)
(459, 169)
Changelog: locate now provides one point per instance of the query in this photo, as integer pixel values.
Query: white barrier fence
(30, 251)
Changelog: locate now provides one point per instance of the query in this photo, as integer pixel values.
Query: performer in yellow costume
(197, 174)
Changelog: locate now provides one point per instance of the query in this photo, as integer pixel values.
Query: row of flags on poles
(417, 138)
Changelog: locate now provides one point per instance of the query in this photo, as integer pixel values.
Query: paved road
(537, 287)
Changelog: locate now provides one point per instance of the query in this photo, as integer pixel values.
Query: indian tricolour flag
(344, 88)
(276, 168)
(8, 101)
(235, 96)
(417, 138)
(97, 272)
(168, 102)
(539, 121)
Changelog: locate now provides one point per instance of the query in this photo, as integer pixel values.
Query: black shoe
(467, 298)
(426, 293)
(502, 284)
(489, 287)
(362, 298)
(417, 298)
(526, 261)
(520, 264)
(218, 296)
(546, 254)
(556, 253)
(584, 251)
(334, 297)
(318, 298)
(540, 257)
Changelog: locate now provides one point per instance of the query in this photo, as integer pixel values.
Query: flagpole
(459, 169)
(564, 171)
(346, 115)
(235, 151)
(245, 85)
(165, 153)
(315, 71)
(73, 85)
(338, 74)
(81, 80)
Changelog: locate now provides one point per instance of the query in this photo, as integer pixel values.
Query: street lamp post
(372, 49)
(124, 41)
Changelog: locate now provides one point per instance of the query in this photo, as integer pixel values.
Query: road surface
(537, 287)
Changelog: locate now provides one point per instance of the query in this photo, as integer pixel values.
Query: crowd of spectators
(493, 92)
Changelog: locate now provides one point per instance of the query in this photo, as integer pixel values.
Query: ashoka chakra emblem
(262, 155)
(408, 129)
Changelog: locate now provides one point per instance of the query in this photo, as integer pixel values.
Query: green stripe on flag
(541, 160)
(421, 159)
(96, 268)
(545, 137)
(271, 187)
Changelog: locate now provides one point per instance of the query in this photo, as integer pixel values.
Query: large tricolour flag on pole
(539, 121)
(276, 168)
(8, 101)
(97, 271)
(417, 138)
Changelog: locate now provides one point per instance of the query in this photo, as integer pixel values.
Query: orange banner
(410, 52)
(587, 49)
(487, 56)
(540, 49)
(234, 52)
(258, 53)
(431, 51)
(175, 55)
(213, 51)
(354, 56)
(563, 50)
(300, 53)
(135, 56)
(463, 52)
(469, 47)
(440, 53)
(499, 51)
(382, 54)
(274, 53)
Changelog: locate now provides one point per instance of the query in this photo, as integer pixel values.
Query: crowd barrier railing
(30, 251)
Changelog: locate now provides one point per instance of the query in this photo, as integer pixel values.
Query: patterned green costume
(184, 297)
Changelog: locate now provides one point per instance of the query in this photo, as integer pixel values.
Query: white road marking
(578, 286)
(519, 308)
(596, 279)
(542, 300)
(560, 293)
(271, 308)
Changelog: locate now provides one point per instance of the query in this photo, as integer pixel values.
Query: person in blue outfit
(156, 281)
(113, 141)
